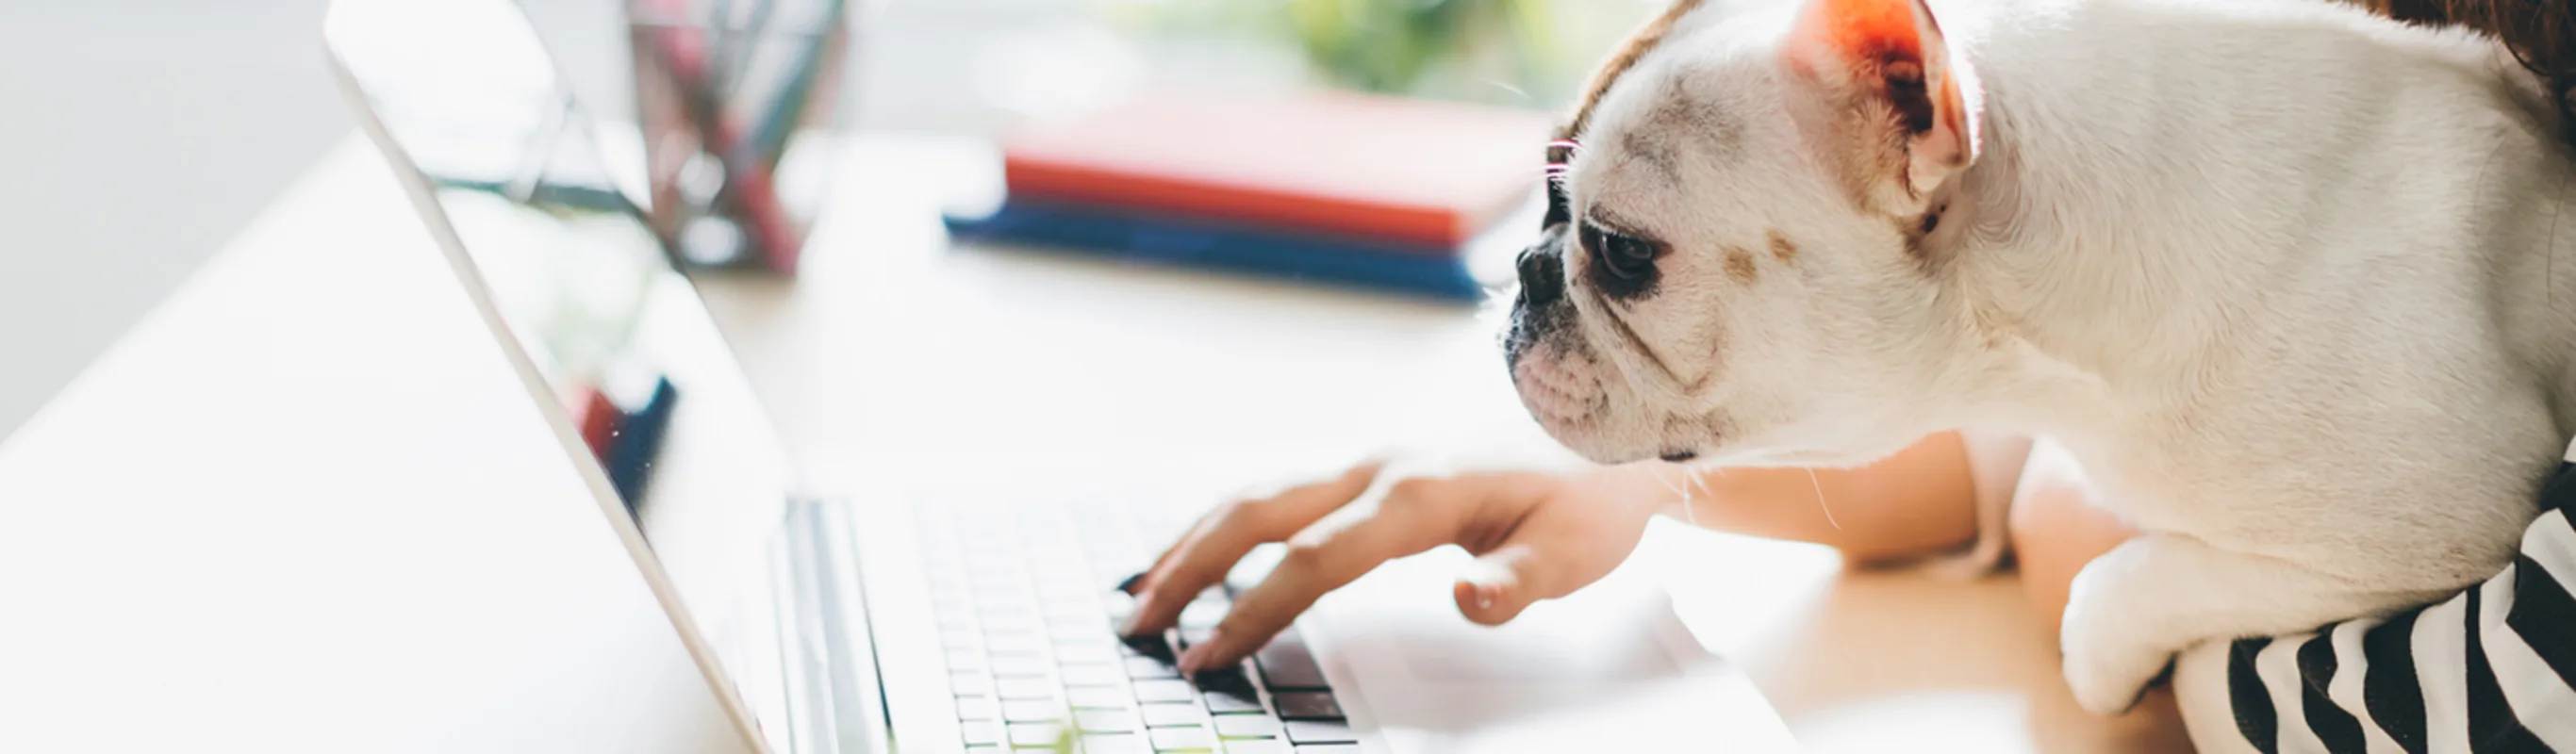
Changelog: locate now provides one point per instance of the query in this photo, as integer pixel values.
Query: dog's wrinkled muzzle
(1558, 382)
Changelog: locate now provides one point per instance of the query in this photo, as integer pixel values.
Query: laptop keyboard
(1027, 622)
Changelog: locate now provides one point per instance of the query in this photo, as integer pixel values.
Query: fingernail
(1129, 584)
(1487, 579)
(1127, 626)
(1198, 654)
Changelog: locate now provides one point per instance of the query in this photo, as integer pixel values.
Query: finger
(1226, 536)
(1197, 529)
(1550, 553)
(1409, 517)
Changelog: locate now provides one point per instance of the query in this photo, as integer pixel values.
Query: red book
(599, 419)
(1417, 172)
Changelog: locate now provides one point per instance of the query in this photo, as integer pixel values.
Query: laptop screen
(617, 343)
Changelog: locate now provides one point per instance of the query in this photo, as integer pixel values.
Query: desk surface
(241, 526)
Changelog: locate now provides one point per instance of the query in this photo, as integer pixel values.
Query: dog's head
(1739, 259)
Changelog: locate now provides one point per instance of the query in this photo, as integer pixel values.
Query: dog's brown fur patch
(1782, 248)
(1739, 265)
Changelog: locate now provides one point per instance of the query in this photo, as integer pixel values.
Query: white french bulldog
(2286, 278)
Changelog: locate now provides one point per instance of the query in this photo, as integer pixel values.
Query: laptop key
(1088, 635)
(1164, 691)
(1019, 666)
(1228, 690)
(1247, 726)
(1093, 675)
(1024, 688)
(1147, 667)
(1096, 697)
(1256, 746)
(1107, 721)
(1221, 702)
(1288, 665)
(1068, 611)
(1012, 629)
(1016, 643)
(1320, 732)
(1036, 734)
(970, 684)
(1116, 743)
(977, 708)
(1330, 749)
(1182, 739)
(980, 733)
(1086, 652)
(1150, 646)
(1172, 714)
(1307, 705)
(1032, 711)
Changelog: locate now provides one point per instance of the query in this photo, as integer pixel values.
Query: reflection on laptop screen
(619, 343)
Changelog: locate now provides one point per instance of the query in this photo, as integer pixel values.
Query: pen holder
(733, 97)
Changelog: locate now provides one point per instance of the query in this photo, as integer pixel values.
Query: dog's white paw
(2107, 665)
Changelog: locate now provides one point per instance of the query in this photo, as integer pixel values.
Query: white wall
(137, 135)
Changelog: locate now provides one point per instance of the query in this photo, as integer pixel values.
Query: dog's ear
(1886, 62)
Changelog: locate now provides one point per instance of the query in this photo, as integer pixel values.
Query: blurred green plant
(1525, 52)
(1388, 45)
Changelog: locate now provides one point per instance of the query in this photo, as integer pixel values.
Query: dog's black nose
(1542, 275)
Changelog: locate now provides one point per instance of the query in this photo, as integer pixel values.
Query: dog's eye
(1626, 257)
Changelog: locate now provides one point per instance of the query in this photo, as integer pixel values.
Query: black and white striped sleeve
(2492, 669)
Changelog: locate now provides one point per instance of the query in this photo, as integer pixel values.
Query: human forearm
(1913, 503)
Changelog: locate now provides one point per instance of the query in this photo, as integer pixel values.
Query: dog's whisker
(1690, 512)
(1820, 499)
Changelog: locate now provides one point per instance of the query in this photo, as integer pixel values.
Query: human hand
(1535, 536)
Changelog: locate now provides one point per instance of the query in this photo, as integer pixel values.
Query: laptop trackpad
(1609, 663)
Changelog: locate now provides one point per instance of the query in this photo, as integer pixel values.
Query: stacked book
(1329, 187)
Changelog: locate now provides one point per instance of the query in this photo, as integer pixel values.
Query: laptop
(929, 617)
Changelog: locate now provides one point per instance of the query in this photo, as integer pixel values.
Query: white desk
(237, 531)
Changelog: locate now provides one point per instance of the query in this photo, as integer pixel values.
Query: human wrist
(1647, 488)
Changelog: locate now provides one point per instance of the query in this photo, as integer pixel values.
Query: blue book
(630, 457)
(1180, 241)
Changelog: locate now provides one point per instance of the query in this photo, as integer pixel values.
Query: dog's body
(2284, 276)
